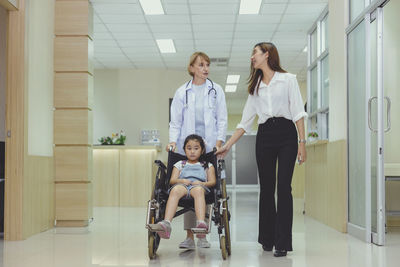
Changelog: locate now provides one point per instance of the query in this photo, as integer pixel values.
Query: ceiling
(126, 38)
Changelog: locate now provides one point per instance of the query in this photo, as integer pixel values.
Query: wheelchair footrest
(199, 230)
(155, 228)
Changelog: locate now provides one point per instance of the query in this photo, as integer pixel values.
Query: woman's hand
(197, 183)
(171, 145)
(301, 153)
(222, 151)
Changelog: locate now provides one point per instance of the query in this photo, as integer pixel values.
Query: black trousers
(276, 142)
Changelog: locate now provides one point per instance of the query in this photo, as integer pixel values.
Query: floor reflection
(117, 237)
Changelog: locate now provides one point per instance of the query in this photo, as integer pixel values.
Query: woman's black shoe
(267, 248)
(280, 253)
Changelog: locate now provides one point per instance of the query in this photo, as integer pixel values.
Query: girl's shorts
(189, 187)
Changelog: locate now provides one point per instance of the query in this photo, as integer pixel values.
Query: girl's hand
(197, 183)
(186, 181)
(301, 153)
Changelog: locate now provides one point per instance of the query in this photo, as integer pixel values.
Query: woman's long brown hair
(256, 75)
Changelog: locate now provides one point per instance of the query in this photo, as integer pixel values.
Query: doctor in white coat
(198, 107)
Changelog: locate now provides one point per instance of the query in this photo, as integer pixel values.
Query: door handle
(389, 103)
(369, 114)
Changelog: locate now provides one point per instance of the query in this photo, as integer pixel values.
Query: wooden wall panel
(106, 178)
(136, 177)
(73, 90)
(73, 54)
(72, 201)
(73, 163)
(326, 184)
(39, 195)
(71, 18)
(72, 127)
(298, 181)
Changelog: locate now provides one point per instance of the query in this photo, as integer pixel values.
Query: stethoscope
(209, 92)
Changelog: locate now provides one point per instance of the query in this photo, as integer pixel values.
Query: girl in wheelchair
(189, 178)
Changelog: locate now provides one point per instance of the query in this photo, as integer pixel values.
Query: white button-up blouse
(281, 98)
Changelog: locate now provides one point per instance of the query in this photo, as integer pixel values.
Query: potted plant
(115, 139)
(312, 136)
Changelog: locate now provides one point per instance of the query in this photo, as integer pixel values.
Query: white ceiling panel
(214, 42)
(107, 49)
(309, 1)
(117, 9)
(299, 18)
(111, 57)
(122, 18)
(305, 8)
(103, 35)
(135, 35)
(304, 27)
(137, 50)
(104, 43)
(96, 19)
(206, 9)
(168, 19)
(99, 27)
(213, 18)
(114, 1)
(213, 35)
(127, 28)
(273, 9)
(209, 27)
(174, 2)
(173, 35)
(162, 28)
(139, 43)
(265, 36)
(257, 27)
(183, 42)
(257, 19)
(176, 9)
(211, 2)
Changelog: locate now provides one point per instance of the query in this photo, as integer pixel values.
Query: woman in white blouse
(275, 97)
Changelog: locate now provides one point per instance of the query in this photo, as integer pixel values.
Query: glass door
(376, 124)
(368, 120)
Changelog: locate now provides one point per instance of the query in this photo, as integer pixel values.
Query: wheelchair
(216, 199)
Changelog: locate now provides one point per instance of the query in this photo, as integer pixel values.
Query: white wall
(3, 39)
(338, 22)
(132, 100)
(39, 75)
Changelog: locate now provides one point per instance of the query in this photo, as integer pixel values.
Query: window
(318, 79)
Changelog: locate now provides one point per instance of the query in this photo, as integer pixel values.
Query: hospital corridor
(242, 133)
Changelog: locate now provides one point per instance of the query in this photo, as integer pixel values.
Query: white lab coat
(183, 115)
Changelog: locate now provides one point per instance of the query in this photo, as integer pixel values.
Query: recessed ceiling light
(305, 49)
(230, 88)
(152, 7)
(166, 45)
(249, 6)
(232, 78)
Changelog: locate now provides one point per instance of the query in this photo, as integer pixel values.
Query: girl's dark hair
(199, 139)
(256, 75)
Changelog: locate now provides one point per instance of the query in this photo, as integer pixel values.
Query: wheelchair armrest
(160, 164)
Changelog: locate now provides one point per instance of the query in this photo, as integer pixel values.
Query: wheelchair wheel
(225, 219)
(222, 244)
(153, 242)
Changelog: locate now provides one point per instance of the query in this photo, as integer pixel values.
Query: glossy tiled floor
(117, 237)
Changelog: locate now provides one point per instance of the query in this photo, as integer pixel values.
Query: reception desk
(123, 175)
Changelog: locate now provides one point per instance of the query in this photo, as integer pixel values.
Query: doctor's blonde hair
(193, 59)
